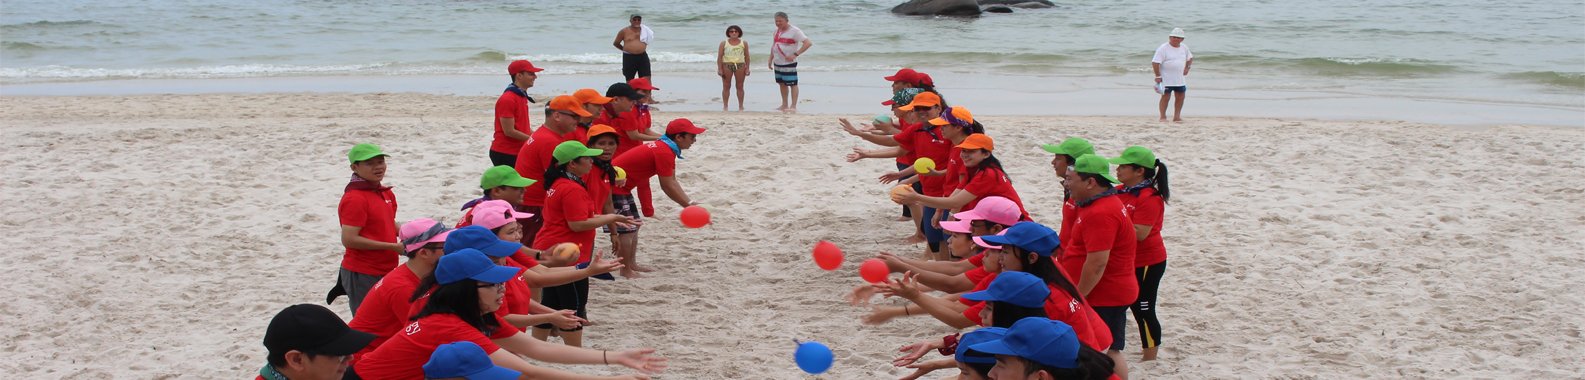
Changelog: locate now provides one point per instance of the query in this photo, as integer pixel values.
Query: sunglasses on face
(498, 287)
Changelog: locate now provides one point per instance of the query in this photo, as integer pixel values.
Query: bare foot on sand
(904, 218)
(642, 268)
(915, 239)
(629, 273)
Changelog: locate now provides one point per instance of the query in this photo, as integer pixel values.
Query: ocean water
(1523, 51)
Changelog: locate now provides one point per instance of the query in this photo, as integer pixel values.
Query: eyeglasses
(498, 287)
(569, 114)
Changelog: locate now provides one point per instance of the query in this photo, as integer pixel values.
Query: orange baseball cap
(599, 129)
(924, 99)
(569, 104)
(958, 116)
(978, 141)
(590, 96)
(642, 83)
(519, 66)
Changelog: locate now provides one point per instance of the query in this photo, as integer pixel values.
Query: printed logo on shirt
(412, 328)
(1073, 306)
(550, 193)
(650, 144)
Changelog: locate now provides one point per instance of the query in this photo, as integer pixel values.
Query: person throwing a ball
(650, 159)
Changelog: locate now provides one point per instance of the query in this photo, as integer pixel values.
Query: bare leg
(539, 333)
(1150, 353)
(1177, 107)
(726, 85)
(1121, 367)
(628, 254)
(783, 88)
(741, 75)
(1163, 107)
(794, 104)
(915, 212)
(572, 338)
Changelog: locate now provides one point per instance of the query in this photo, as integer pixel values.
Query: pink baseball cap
(997, 210)
(958, 226)
(982, 242)
(493, 214)
(418, 232)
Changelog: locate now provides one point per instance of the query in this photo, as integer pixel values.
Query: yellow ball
(620, 174)
(924, 165)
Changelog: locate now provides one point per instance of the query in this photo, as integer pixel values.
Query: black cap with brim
(313, 329)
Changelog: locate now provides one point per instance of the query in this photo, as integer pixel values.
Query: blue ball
(813, 357)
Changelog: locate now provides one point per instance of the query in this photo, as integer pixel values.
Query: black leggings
(498, 159)
(1149, 277)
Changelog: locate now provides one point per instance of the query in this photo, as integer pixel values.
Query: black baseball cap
(623, 90)
(313, 329)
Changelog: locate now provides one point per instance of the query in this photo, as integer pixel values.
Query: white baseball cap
(1176, 32)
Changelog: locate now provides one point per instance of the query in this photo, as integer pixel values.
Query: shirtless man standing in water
(634, 43)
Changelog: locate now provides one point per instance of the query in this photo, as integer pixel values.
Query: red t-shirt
(989, 182)
(650, 159)
(568, 201)
(385, 309)
(926, 144)
(633, 121)
(599, 188)
(1103, 225)
(1070, 212)
(404, 355)
(1089, 327)
(516, 107)
(517, 297)
(535, 158)
(1147, 209)
(375, 212)
(907, 157)
(954, 171)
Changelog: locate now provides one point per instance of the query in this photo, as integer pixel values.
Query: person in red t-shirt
(1100, 252)
(642, 119)
(511, 114)
(878, 134)
(651, 159)
(520, 309)
(463, 308)
(367, 213)
(1063, 155)
(561, 124)
(1145, 193)
(570, 217)
(309, 341)
(993, 215)
(423, 240)
(602, 180)
(983, 177)
(592, 102)
(923, 141)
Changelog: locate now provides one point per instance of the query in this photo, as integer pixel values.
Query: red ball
(874, 270)
(695, 216)
(827, 255)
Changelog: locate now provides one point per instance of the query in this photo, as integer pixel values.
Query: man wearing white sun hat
(1171, 64)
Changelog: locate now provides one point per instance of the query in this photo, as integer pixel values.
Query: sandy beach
(153, 236)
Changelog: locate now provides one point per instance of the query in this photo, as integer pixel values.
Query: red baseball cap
(519, 66)
(642, 83)
(924, 79)
(682, 125)
(905, 75)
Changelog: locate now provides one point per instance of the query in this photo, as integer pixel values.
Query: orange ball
(874, 270)
(695, 216)
(897, 193)
(827, 255)
(563, 254)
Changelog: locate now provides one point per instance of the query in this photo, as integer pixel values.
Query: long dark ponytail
(559, 171)
(988, 162)
(1158, 175)
(1047, 270)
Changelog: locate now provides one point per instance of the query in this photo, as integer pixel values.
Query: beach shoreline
(857, 92)
(157, 234)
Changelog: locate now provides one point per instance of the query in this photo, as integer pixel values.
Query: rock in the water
(938, 8)
(1027, 4)
(997, 9)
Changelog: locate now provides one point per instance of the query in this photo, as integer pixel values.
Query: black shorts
(1116, 318)
(625, 206)
(635, 65)
(498, 159)
(570, 296)
(1178, 89)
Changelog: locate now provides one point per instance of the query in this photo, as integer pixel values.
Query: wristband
(949, 345)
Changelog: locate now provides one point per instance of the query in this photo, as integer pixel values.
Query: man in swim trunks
(633, 41)
(788, 44)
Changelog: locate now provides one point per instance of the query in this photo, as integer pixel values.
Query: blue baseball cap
(480, 238)
(470, 263)
(1030, 236)
(976, 337)
(466, 360)
(1041, 340)
(1018, 288)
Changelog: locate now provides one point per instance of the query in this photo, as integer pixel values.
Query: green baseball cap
(1094, 164)
(1072, 147)
(364, 151)
(1136, 155)
(503, 176)
(571, 149)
